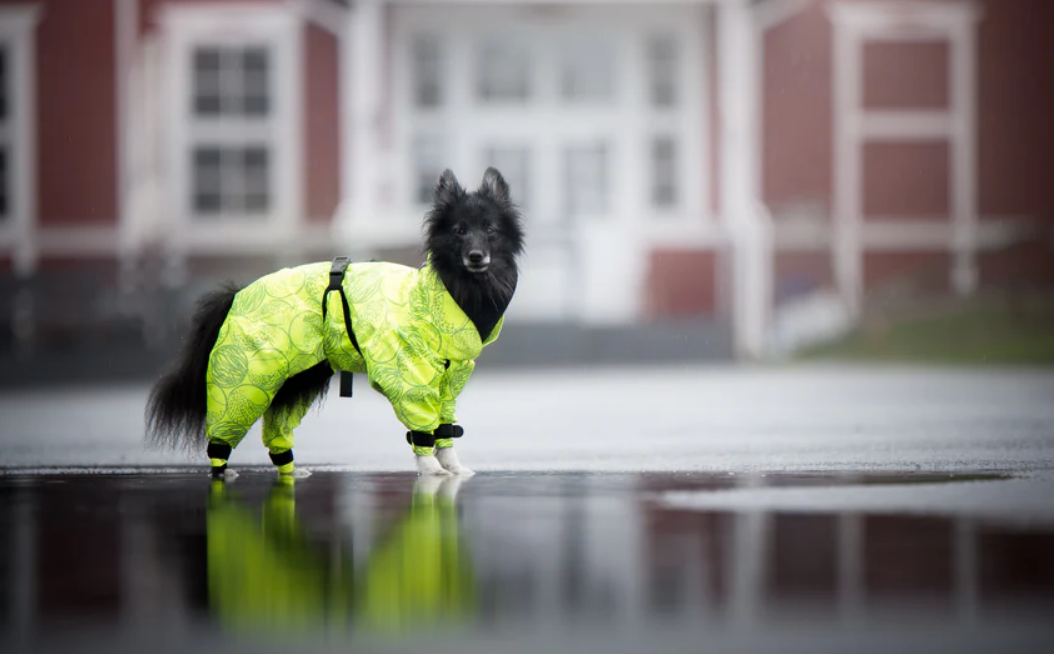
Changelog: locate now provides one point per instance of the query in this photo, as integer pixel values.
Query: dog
(270, 349)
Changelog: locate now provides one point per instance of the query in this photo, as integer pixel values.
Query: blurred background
(708, 180)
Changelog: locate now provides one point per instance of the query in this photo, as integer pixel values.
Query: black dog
(270, 348)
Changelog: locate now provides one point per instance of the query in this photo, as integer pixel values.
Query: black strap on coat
(336, 283)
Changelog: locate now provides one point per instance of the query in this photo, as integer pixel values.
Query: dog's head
(473, 233)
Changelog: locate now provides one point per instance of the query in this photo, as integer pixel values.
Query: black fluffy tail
(175, 413)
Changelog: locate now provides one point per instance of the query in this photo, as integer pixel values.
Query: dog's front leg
(448, 459)
(428, 464)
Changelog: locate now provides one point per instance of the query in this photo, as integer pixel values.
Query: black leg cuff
(282, 458)
(420, 439)
(218, 451)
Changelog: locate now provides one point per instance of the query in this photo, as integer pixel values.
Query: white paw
(448, 459)
(429, 465)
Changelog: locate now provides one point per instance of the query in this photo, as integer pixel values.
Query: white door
(567, 104)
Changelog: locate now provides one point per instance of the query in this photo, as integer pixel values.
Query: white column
(739, 86)
(126, 25)
(362, 57)
(847, 252)
(19, 24)
(963, 85)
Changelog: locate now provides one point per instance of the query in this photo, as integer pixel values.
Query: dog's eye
(460, 230)
(490, 229)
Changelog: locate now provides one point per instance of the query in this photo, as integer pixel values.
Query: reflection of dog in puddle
(266, 572)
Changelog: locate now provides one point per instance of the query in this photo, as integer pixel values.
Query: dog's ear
(447, 189)
(494, 185)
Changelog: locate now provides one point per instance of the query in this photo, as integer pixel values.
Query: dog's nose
(475, 256)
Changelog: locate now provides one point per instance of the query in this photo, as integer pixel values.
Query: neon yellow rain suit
(418, 348)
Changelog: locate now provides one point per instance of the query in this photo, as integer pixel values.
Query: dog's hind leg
(278, 426)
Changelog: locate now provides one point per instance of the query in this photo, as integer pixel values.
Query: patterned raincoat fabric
(418, 347)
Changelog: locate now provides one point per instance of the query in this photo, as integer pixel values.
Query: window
(662, 71)
(231, 132)
(231, 81)
(587, 71)
(427, 72)
(586, 179)
(503, 72)
(231, 179)
(664, 172)
(513, 162)
(428, 165)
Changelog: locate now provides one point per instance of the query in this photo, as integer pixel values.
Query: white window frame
(17, 232)
(186, 28)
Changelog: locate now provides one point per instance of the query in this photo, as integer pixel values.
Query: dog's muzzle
(476, 261)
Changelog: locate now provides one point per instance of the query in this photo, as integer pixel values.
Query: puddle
(588, 561)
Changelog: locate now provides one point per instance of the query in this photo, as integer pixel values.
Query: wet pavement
(519, 562)
(666, 509)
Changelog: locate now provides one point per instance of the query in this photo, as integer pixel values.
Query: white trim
(279, 27)
(895, 125)
(361, 79)
(903, 233)
(17, 30)
(323, 14)
(569, 3)
(963, 84)
(78, 241)
(748, 221)
(126, 27)
(855, 24)
(774, 12)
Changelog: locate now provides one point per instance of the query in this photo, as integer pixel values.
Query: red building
(728, 155)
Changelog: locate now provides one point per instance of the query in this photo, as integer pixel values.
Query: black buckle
(336, 273)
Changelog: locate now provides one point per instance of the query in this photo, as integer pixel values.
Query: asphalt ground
(616, 509)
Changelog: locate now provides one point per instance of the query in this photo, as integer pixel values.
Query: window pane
(588, 70)
(207, 81)
(206, 203)
(3, 83)
(513, 162)
(231, 179)
(207, 61)
(256, 60)
(255, 81)
(664, 172)
(662, 71)
(586, 179)
(4, 197)
(502, 72)
(207, 105)
(427, 164)
(256, 105)
(427, 66)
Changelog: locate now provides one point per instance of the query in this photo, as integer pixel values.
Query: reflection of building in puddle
(747, 565)
(266, 573)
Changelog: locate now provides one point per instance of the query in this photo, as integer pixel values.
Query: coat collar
(460, 340)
